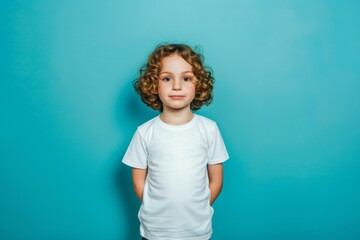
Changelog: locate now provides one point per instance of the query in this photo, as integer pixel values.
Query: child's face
(176, 83)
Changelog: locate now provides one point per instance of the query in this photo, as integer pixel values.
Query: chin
(177, 107)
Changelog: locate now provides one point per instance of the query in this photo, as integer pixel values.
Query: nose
(176, 85)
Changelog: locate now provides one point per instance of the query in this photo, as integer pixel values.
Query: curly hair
(147, 84)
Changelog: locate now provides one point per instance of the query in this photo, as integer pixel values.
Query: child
(176, 157)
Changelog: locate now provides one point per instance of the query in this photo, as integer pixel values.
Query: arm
(139, 176)
(215, 173)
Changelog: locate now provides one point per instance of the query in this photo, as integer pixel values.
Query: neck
(176, 117)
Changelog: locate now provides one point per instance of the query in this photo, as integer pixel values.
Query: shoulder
(206, 123)
(147, 127)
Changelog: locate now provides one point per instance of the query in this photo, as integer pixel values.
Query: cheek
(161, 90)
(191, 89)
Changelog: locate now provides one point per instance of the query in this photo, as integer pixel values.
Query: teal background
(287, 99)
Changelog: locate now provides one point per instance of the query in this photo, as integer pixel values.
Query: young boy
(176, 157)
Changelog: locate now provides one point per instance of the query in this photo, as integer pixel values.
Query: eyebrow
(181, 72)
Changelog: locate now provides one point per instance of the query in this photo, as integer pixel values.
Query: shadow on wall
(130, 113)
(123, 184)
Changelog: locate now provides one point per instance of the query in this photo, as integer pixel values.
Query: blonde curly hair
(147, 84)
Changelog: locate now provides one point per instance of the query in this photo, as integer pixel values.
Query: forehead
(175, 63)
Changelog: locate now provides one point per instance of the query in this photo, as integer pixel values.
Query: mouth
(176, 96)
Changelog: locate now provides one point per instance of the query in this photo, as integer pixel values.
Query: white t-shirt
(176, 196)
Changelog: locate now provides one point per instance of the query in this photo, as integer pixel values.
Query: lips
(176, 96)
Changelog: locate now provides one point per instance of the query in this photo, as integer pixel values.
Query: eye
(166, 79)
(186, 79)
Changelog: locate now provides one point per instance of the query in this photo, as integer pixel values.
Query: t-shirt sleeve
(217, 152)
(136, 154)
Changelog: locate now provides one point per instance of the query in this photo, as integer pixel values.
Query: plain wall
(287, 98)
